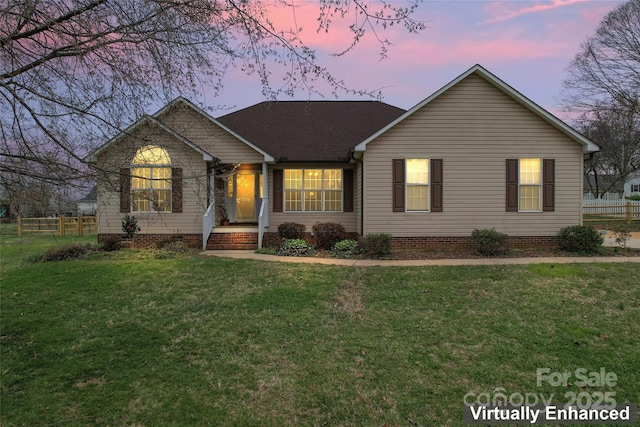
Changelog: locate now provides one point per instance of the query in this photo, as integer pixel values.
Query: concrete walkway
(240, 254)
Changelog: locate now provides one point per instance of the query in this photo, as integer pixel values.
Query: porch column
(265, 192)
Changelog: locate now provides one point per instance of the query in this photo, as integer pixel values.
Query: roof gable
(146, 120)
(308, 131)
(183, 101)
(587, 145)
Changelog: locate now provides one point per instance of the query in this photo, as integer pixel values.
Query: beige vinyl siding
(194, 185)
(474, 128)
(209, 136)
(347, 219)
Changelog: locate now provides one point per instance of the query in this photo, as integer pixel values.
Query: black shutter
(176, 190)
(436, 185)
(398, 185)
(347, 192)
(125, 190)
(512, 185)
(278, 178)
(548, 185)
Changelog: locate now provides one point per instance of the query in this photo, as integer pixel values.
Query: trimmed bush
(294, 247)
(70, 251)
(327, 234)
(489, 241)
(291, 230)
(376, 244)
(346, 249)
(583, 239)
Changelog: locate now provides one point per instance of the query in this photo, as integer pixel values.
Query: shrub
(327, 234)
(346, 249)
(580, 239)
(130, 226)
(621, 234)
(294, 247)
(377, 244)
(69, 251)
(634, 197)
(489, 242)
(176, 247)
(291, 230)
(111, 243)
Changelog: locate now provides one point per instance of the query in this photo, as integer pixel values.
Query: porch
(237, 215)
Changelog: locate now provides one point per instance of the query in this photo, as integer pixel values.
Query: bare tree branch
(73, 73)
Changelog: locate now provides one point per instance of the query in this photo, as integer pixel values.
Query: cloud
(511, 14)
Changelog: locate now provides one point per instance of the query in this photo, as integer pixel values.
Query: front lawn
(142, 338)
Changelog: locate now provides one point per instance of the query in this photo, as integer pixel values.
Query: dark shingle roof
(91, 196)
(303, 131)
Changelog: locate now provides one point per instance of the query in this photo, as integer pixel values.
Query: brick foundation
(149, 240)
(466, 243)
(248, 240)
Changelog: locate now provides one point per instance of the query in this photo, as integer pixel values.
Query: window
(312, 190)
(151, 180)
(635, 188)
(530, 184)
(417, 184)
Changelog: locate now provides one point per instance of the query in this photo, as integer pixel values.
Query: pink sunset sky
(528, 44)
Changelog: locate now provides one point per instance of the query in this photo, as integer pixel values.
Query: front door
(245, 196)
(244, 189)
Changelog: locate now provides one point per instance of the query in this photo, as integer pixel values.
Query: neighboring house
(475, 154)
(88, 205)
(632, 185)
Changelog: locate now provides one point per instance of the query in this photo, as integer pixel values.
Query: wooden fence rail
(626, 211)
(61, 225)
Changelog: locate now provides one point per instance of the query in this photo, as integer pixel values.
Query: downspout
(353, 157)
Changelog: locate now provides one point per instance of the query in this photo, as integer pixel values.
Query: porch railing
(208, 220)
(261, 220)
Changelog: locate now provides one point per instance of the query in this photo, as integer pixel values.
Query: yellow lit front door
(246, 196)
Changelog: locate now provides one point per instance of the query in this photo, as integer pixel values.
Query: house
(88, 205)
(632, 185)
(475, 154)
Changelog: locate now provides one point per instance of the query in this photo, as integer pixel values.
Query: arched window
(151, 180)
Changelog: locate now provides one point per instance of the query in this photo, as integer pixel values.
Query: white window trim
(303, 190)
(530, 185)
(407, 183)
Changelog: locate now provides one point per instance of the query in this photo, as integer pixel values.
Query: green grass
(14, 250)
(125, 339)
(605, 223)
(175, 341)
